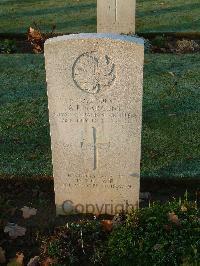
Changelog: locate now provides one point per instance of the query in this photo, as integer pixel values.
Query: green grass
(168, 16)
(68, 15)
(24, 128)
(171, 116)
(80, 15)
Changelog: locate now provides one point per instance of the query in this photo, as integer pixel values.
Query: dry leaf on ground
(172, 217)
(28, 212)
(14, 230)
(36, 38)
(17, 261)
(47, 262)
(2, 256)
(107, 225)
(34, 34)
(183, 208)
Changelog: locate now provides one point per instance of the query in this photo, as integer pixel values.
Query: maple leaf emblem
(92, 72)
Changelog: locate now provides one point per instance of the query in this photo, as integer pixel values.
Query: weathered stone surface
(95, 109)
(116, 16)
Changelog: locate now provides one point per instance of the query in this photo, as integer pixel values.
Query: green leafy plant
(160, 235)
(7, 46)
(76, 243)
(167, 234)
(159, 41)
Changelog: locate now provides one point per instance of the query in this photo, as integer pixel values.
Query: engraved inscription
(80, 180)
(86, 110)
(92, 72)
(95, 147)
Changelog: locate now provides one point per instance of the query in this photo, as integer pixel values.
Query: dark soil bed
(155, 42)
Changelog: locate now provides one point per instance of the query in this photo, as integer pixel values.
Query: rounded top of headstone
(112, 36)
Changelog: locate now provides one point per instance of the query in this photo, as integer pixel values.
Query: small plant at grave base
(159, 41)
(167, 234)
(163, 234)
(7, 46)
(76, 243)
(147, 46)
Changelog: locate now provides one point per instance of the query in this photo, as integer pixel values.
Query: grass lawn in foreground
(71, 16)
(171, 116)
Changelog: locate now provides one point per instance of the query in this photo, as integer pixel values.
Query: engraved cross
(94, 145)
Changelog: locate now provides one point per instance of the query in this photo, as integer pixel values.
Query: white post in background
(116, 16)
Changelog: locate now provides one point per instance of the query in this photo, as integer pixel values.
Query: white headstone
(116, 16)
(95, 109)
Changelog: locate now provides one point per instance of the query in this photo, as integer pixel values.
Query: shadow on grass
(53, 10)
(178, 27)
(168, 10)
(88, 23)
(70, 25)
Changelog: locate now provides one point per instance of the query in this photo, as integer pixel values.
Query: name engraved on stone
(92, 72)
